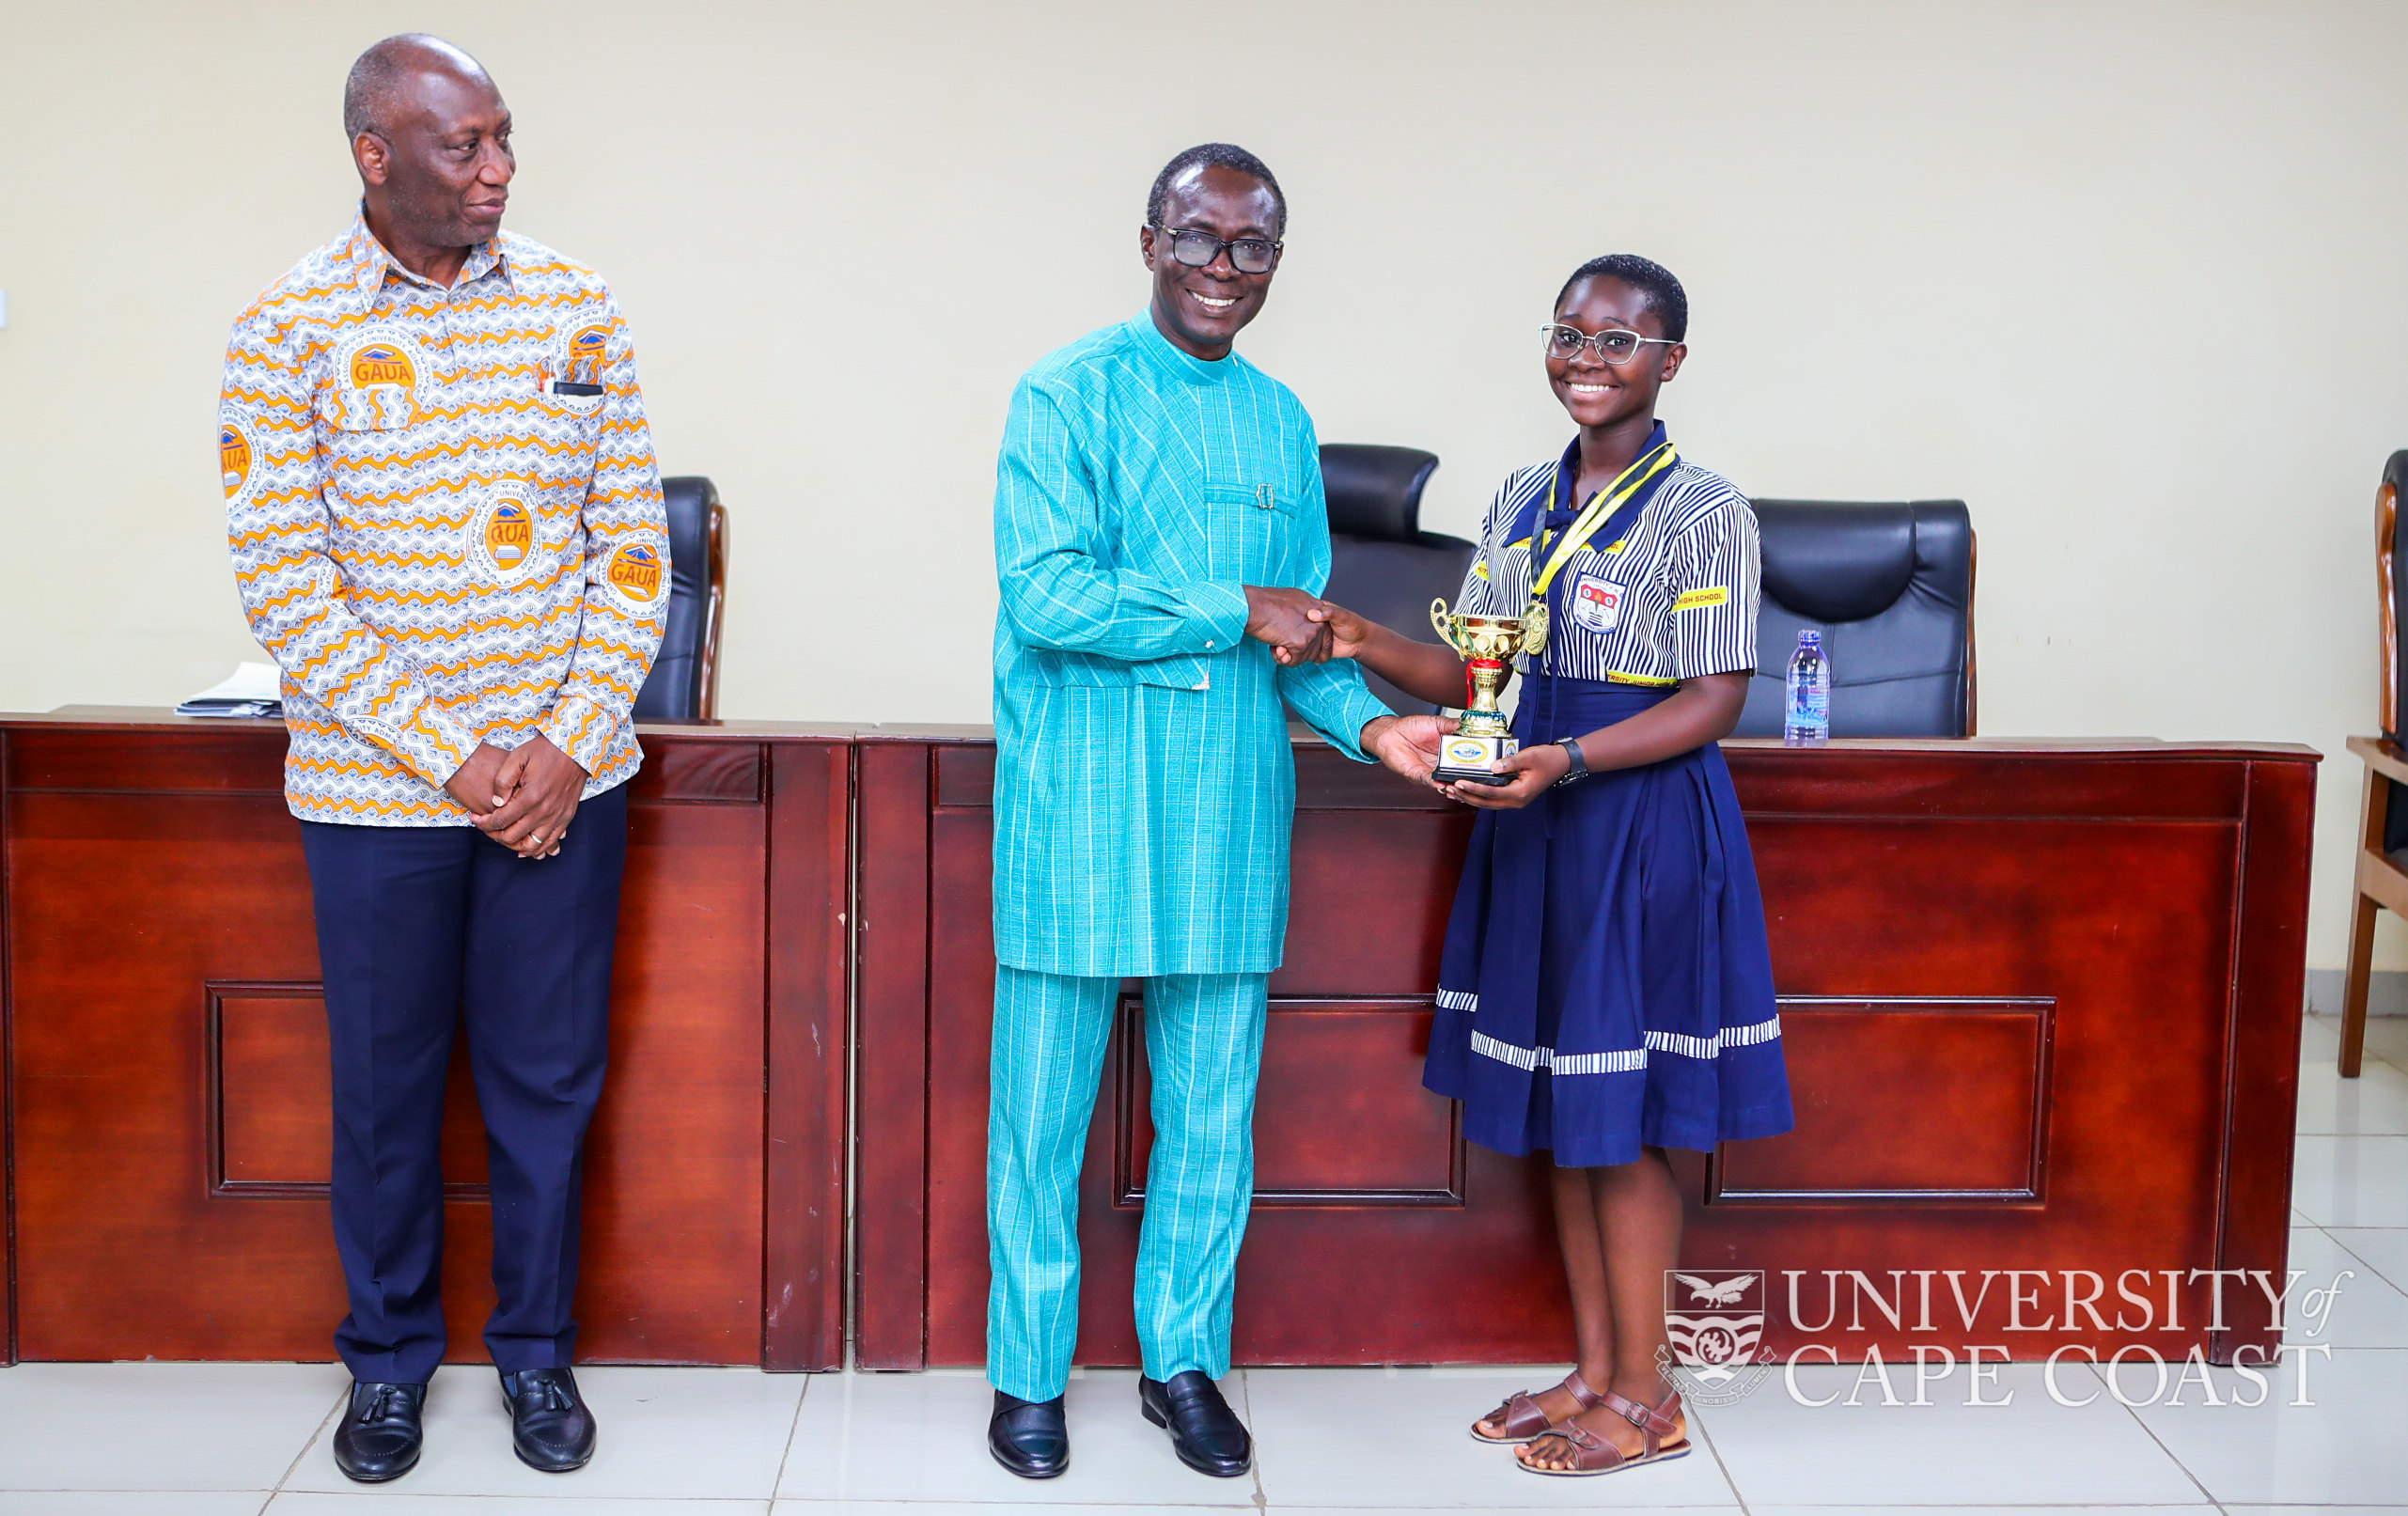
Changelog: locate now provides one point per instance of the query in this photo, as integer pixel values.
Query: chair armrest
(2383, 755)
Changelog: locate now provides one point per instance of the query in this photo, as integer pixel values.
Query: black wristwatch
(1579, 769)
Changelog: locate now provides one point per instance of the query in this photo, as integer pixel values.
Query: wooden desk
(168, 1081)
(2042, 1004)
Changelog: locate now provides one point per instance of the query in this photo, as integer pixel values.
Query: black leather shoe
(550, 1426)
(1029, 1437)
(1204, 1431)
(381, 1435)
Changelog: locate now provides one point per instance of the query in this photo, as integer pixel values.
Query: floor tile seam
(1731, 1482)
(793, 1429)
(2206, 1495)
(2359, 1258)
(1254, 1464)
(342, 1397)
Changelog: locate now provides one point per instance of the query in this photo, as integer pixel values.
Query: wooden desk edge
(141, 718)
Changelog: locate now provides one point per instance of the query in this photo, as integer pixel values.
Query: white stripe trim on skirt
(1630, 1060)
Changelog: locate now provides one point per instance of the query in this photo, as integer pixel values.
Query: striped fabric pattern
(1144, 788)
(1684, 583)
(438, 547)
(1204, 1052)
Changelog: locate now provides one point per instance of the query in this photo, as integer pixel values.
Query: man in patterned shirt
(448, 529)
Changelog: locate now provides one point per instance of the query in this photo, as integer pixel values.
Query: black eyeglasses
(1614, 345)
(1247, 255)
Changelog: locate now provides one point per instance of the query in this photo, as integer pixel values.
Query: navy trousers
(422, 930)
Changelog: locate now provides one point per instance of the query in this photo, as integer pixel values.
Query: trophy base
(1465, 759)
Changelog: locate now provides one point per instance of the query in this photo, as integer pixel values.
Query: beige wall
(2126, 277)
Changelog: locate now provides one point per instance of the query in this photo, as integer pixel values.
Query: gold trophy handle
(1439, 618)
(1534, 629)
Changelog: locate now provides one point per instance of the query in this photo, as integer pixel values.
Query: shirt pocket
(1252, 529)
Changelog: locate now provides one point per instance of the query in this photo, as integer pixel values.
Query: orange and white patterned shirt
(446, 519)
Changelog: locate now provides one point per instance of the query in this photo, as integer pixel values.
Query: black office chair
(1382, 565)
(1890, 587)
(684, 682)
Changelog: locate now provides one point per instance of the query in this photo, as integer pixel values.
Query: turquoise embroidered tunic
(1144, 787)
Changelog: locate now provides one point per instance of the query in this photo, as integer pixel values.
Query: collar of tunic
(1170, 360)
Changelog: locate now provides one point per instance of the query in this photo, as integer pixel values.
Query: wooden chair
(2383, 816)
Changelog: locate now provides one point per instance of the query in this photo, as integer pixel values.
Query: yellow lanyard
(1600, 506)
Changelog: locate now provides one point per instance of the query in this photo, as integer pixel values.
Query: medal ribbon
(1605, 506)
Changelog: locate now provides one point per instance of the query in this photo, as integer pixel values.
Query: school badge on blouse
(1486, 643)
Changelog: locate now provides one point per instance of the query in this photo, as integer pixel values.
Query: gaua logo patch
(509, 534)
(635, 571)
(378, 374)
(233, 457)
(503, 537)
(382, 363)
(1715, 1321)
(587, 350)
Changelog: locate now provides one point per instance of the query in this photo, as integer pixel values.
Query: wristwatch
(1579, 769)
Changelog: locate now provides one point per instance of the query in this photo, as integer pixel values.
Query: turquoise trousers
(1204, 1049)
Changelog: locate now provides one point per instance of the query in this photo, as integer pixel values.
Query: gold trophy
(1487, 642)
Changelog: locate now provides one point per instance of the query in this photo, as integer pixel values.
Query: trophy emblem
(1486, 642)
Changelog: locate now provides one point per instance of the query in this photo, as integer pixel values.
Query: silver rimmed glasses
(1613, 344)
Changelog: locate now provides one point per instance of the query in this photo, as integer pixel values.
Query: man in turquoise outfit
(1160, 536)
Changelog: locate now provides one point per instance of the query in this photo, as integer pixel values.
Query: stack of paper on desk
(252, 691)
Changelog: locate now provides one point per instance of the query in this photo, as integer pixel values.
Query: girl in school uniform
(1606, 993)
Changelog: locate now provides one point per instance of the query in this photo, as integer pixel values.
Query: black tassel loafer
(551, 1429)
(381, 1434)
(1205, 1433)
(1029, 1437)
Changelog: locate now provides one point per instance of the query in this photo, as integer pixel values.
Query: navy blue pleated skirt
(1606, 984)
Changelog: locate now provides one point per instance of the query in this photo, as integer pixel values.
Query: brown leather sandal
(1592, 1454)
(1522, 1420)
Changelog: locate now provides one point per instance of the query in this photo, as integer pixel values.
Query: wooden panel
(2015, 980)
(241, 757)
(893, 1059)
(1964, 1118)
(1368, 900)
(2263, 1044)
(1374, 1137)
(698, 773)
(1857, 781)
(271, 1094)
(149, 898)
(810, 874)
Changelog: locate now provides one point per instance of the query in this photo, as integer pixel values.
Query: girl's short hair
(1664, 296)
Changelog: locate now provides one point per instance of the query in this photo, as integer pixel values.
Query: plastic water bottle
(1809, 711)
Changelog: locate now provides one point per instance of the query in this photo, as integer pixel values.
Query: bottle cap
(1810, 638)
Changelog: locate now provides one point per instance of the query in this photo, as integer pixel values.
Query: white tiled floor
(243, 1439)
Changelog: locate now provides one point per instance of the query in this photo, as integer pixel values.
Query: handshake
(1304, 629)
(1301, 628)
